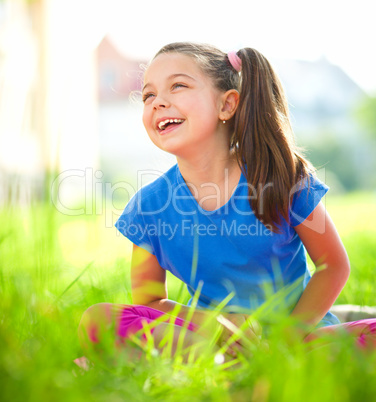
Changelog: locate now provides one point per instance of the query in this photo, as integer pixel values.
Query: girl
(234, 217)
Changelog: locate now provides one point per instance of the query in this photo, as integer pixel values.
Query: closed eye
(146, 96)
(179, 85)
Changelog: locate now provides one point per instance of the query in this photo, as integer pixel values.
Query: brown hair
(262, 136)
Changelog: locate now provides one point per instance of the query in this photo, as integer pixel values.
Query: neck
(208, 167)
(208, 160)
(211, 180)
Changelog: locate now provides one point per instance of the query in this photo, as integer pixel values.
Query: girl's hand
(242, 328)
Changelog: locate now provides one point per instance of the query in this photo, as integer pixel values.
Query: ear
(229, 104)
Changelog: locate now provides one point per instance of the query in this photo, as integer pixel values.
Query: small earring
(224, 122)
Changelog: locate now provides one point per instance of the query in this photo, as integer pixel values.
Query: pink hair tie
(235, 61)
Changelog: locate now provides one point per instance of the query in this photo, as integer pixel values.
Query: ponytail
(263, 140)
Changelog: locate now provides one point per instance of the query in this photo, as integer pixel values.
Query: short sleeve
(306, 195)
(132, 225)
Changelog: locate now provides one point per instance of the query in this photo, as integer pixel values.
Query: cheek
(147, 120)
(205, 115)
(205, 104)
(144, 118)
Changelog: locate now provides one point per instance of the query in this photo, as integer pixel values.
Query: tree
(365, 113)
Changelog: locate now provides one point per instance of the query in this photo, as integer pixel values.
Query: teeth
(162, 124)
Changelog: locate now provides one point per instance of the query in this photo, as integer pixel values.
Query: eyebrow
(172, 76)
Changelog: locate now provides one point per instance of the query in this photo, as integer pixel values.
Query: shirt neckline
(218, 211)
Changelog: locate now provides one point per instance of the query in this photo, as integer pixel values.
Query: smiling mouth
(169, 122)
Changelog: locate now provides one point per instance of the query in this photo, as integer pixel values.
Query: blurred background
(70, 117)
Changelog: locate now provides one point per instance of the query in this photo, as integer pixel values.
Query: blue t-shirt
(225, 253)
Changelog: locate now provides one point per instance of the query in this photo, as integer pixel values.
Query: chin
(168, 146)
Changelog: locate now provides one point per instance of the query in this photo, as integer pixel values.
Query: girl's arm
(326, 250)
(149, 288)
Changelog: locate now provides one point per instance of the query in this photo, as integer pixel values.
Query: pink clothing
(364, 331)
(130, 319)
(134, 318)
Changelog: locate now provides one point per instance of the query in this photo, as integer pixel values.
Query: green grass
(355, 218)
(52, 267)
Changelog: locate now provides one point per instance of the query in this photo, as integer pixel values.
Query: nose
(160, 102)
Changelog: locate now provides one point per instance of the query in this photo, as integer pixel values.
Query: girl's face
(181, 105)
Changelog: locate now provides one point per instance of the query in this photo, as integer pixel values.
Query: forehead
(168, 64)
